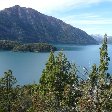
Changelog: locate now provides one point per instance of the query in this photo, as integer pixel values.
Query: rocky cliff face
(28, 25)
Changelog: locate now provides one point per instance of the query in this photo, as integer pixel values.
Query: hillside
(99, 38)
(28, 25)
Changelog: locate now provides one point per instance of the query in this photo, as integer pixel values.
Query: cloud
(91, 22)
(87, 19)
(48, 6)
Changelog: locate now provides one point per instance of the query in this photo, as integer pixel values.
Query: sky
(92, 16)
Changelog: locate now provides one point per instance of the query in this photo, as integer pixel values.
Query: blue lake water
(27, 67)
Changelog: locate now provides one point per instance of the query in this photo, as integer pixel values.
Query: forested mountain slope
(28, 25)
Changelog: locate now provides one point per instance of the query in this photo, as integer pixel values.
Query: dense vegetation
(60, 88)
(28, 25)
(34, 47)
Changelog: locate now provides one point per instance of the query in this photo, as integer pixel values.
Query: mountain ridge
(99, 38)
(28, 25)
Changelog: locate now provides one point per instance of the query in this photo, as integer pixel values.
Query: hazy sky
(92, 16)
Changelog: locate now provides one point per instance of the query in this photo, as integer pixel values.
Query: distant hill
(28, 25)
(99, 38)
(110, 39)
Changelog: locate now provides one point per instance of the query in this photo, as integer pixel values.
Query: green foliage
(6, 91)
(58, 82)
(94, 76)
(96, 95)
(34, 47)
(14, 98)
(60, 89)
(23, 98)
(103, 67)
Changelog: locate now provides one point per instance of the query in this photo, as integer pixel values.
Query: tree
(6, 85)
(104, 61)
(44, 98)
(57, 85)
(96, 89)
(102, 90)
(66, 84)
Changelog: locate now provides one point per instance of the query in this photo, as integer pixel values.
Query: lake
(27, 67)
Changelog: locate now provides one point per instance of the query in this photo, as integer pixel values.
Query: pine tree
(57, 85)
(105, 78)
(6, 86)
(66, 81)
(96, 94)
(47, 75)
(102, 90)
(44, 98)
(104, 61)
(94, 76)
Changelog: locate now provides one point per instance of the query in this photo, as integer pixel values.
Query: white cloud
(91, 22)
(48, 6)
(87, 19)
(81, 16)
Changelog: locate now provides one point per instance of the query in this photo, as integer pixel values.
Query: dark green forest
(60, 88)
(29, 47)
(29, 26)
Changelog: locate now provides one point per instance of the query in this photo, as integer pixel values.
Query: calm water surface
(27, 67)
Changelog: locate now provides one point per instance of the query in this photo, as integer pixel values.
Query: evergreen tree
(47, 75)
(104, 61)
(97, 88)
(44, 96)
(102, 90)
(94, 76)
(57, 85)
(6, 93)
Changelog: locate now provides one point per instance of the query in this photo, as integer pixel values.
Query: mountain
(28, 25)
(99, 38)
(109, 39)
